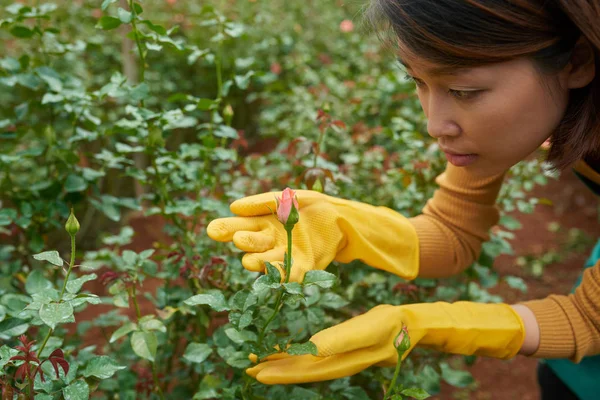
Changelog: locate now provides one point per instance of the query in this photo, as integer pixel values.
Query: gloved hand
(329, 229)
(492, 330)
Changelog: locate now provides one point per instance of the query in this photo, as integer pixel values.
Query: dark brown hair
(468, 33)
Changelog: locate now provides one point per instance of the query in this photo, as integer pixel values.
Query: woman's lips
(461, 160)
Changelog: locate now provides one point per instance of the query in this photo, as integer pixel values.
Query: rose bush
(160, 111)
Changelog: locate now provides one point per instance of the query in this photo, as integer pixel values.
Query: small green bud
(228, 114)
(72, 225)
(402, 342)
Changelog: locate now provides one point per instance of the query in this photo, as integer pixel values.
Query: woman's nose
(439, 127)
(440, 120)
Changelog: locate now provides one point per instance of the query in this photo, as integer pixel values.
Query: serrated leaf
(293, 288)
(51, 256)
(78, 390)
(273, 272)
(102, 367)
(320, 278)
(297, 349)
(36, 282)
(122, 331)
(265, 282)
(74, 285)
(215, 299)
(144, 344)
(55, 313)
(240, 337)
(153, 325)
(245, 320)
(197, 352)
(417, 393)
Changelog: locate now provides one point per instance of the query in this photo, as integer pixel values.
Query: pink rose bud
(402, 342)
(287, 208)
(346, 26)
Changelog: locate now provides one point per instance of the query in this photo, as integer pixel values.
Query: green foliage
(169, 111)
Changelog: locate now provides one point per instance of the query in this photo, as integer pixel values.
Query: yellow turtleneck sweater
(454, 224)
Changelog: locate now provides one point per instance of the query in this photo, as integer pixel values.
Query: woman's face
(488, 118)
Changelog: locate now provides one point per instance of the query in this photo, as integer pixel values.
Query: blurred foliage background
(167, 111)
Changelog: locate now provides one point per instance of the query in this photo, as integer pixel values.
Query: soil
(573, 206)
(570, 204)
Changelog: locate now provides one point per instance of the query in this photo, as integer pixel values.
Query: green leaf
(55, 313)
(265, 282)
(7, 215)
(197, 352)
(51, 77)
(298, 349)
(21, 32)
(213, 298)
(245, 320)
(102, 367)
(75, 183)
(152, 324)
(51, 256)
(107, 3)
(74, 285)
(273, 272)
(122, 331)
(5, 355)
(243, 82)
(37, 282)
(240, 337)
(293, 288)
(332, 300)
(124, 15)
(12, 327)
(516, 283)
(510, 223)
(355, 393)
(78, 390)
(455, 377)
(417, 393)
(108, 23)
(320, 278)
(144, 344)
(251, 300)
(205, 104)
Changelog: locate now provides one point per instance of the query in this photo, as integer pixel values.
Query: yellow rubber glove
(329, 229)
(492, 330)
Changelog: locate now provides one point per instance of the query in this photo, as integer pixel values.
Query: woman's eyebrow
(444, 70)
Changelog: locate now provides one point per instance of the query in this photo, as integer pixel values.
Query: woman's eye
(416, 81)
(463, 94)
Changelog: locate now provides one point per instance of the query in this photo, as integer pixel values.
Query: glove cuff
(491, 330)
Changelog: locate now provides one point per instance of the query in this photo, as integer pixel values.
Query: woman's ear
(581, 69)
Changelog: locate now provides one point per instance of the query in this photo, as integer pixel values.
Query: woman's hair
(468, 33)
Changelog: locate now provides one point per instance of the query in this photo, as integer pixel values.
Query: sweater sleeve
(570, 325)
(456, 221)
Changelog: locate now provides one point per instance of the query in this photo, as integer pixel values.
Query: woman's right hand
(329, 229)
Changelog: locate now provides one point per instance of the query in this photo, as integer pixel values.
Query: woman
(495, 78)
